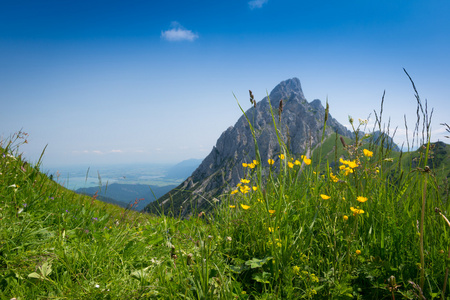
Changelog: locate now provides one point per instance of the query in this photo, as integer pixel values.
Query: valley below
(122, 184)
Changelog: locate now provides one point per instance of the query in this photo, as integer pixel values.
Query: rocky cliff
(300, 126)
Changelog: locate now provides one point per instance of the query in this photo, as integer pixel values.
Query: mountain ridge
(300, 125)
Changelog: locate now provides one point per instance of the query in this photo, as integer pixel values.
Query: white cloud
(97, 152)
(178, 33)
(116, 151)
(257, 3)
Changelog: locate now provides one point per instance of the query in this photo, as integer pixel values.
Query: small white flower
(11, 156)
(97, 286)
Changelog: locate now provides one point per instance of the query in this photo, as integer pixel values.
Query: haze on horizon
(107, 82)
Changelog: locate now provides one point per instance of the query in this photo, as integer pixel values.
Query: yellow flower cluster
(291, 164)
(368, 153)
(356, 211)
(333, 177)
(243, 188)
(251, 165)
(313, 277)
(277, 241)
(348, 166)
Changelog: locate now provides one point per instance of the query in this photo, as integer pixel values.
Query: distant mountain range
(300, 126)
(125, 194)
(183, 169)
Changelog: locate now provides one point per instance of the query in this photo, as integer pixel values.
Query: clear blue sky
(153, 81)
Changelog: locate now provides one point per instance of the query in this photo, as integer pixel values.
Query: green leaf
(263, 278)
(258, 263)
(45, 269)
(155, 240)
(35, 275)
(140, 274)
(238, 269)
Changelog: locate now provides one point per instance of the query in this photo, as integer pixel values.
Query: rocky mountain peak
(288, 89)
(300, 125)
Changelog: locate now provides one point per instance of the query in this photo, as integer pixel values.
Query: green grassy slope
(56, 244)
(371, 228)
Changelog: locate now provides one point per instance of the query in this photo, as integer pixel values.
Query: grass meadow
(352, 220)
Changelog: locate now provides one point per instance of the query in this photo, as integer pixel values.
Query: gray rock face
(300, 126)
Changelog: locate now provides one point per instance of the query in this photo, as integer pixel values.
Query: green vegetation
(352, 220)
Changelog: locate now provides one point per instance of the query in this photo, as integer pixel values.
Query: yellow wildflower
(270, 161)
(361, 199)
(368, 153)
(255, 162)
(245, 206)
(345, 218)
(254, 188)
(244, 165)
(314, 278)
(271, 229)
(281, 156)
(290, 165)
(251, 166)
(358, 252)
(244, 189)
(324, 197)
(333, 177)
(232, 206)
(234, 192)
(245, 180)
(352, 164)
(297, 162)
(271, 211)
(306, 160)
(356, 211)
(296, 269)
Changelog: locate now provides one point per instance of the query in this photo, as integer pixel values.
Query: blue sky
(153, 81)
